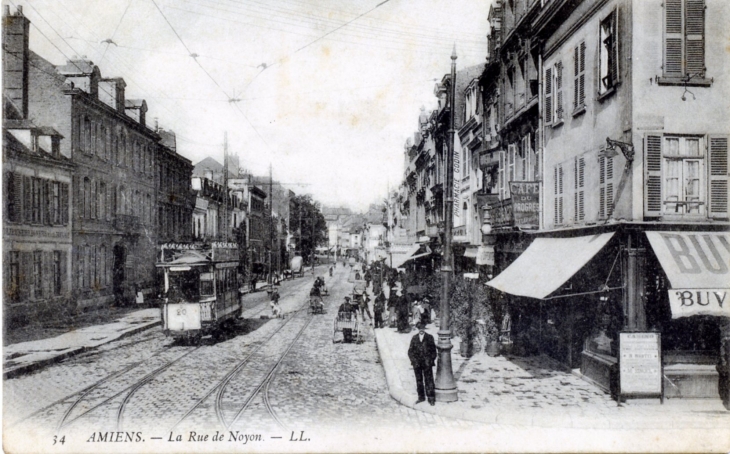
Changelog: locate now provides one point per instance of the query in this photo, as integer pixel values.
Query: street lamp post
(445, 385)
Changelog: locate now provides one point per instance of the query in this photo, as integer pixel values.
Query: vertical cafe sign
(457, 179)
(525, 203)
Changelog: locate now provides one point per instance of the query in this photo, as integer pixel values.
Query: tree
(307, 224)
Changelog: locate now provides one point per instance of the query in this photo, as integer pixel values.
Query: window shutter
(15, 195)
(613, 67)
(63, 196)
(673, 39)
(555, 193)
(694, 34)
(718, 177)
(576, 72)
(548, 113)
(653, 175)
(26, 271)
(559, 91)
(64, 273)
(27, 200)
(582, 77)
(47, 280)
(602, 188)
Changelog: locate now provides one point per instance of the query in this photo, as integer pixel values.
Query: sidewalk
(530, 392)
(25, 357)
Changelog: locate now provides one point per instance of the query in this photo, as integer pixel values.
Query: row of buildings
(91, 189)
(590, 182)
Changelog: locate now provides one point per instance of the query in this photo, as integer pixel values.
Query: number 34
(56, 440)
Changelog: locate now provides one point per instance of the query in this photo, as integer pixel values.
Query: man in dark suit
(422, 353)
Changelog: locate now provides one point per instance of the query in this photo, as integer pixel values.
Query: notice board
(640, 364)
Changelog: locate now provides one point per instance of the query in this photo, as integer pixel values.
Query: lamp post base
(445, 385)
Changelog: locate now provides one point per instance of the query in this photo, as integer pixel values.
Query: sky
(326, 91)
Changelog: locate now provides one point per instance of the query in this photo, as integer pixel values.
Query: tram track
(131, 389)
(264, 385)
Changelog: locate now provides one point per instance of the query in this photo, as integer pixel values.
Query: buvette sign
(698, 267)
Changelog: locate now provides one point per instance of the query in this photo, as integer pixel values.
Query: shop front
(571, 298)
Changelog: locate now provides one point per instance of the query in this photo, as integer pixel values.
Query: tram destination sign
(640, 364)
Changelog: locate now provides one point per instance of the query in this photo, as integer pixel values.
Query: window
(579, 85)
(677, 176)
(684, 38)
(94, 200)
(579, 195)
(605, 187)
(37, 202)
(55, 196)
(101, 203)
(558, 193)
(682, 178)
(608, 50)
(87, 198)
(554, 94)
(37, 289)
(12, 283)
(57, 278)
(87, 266)
(526, 159)
(86, 140)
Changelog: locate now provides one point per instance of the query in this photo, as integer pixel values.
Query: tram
(201, 288)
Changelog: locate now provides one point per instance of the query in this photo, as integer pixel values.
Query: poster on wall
(640, 365)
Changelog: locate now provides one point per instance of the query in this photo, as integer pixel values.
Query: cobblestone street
(265, 376)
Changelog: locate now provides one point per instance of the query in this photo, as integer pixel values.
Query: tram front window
(183, 286)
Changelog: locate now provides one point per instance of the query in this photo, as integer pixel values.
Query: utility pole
(225, 185)
(445, 385)
(271, 222)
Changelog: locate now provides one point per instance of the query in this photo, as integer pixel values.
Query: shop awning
(697, 265)
(547, 264)
(401, 254)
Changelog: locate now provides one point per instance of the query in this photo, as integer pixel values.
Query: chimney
(136, 109)
(111, 93)
(15, 58)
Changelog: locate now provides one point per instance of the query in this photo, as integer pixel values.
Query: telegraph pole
(225, 185)
(271, 222)
(445, 385)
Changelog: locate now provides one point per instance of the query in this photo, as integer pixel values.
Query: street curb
(32, 367)
(402, 396)
(567, 420)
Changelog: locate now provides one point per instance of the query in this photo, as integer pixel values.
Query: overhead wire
(128, 68)
(267, 8)
(378, 34)
(115, 30)
(410, 49)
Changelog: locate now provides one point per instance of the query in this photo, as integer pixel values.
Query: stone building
(36, 216)
(631, 149)
(114, 188)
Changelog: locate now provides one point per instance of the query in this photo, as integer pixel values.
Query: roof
(13, 148)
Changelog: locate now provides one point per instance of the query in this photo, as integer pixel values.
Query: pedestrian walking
(422, 353)
(402, 313)
(378, 308)
(275, 309)
(364, 308)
